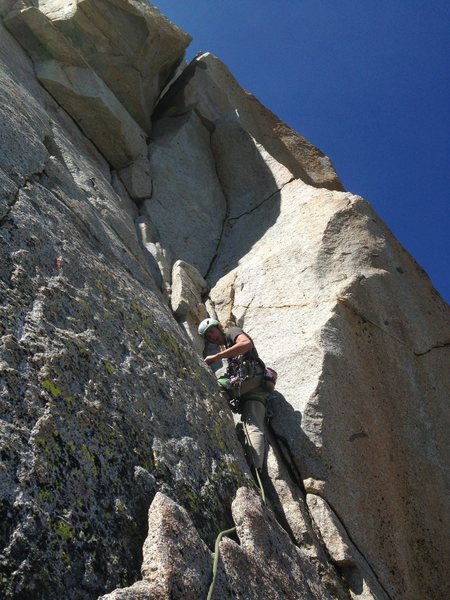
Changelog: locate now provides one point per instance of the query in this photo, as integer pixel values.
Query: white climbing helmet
(206, 324)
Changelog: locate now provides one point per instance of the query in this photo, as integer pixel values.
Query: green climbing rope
(233, 529)
(216, 559)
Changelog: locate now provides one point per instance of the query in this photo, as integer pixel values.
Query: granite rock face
(361, 366)
(125, 220)
(361, 580)
(176, 562)
(103, 400)
(238, 158)
(129, 44)
(369, 405)
(208, 87)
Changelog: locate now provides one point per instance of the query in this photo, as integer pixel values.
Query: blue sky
(366, 81)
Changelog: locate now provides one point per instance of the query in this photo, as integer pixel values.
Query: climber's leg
(253, 417)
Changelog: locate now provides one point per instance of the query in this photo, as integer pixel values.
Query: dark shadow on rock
(251, 192)
(286, 425)
(240, 204)
(354, 579)
(288, 147)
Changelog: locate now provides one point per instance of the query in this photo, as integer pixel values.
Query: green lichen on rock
(169, 342)
(51, 387)
(101, 371)
(100, 287)
(109, 367)
(64, 530)
(90, 458)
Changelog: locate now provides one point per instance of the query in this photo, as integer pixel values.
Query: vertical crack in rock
(232, 297)
(228, 219)
(373, 572)
(222, 236)
(289, 461)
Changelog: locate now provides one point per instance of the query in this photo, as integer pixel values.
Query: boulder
(178, 565)
(207, 86)
(188, 286)
(137, 179)
(78, 89)
(360, 578)
(168, 565)
(187, 289)
(129, 44)
(176, 562)
(96, 110)
(261, 542)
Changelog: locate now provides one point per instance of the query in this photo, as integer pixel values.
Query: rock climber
(244, 382)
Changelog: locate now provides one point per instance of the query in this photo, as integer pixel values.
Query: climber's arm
(242, 345)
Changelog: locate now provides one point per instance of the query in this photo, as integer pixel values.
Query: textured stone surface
(208, 87)
(178, 565)
(188, 286)
(360, 578)
(314, 486)
(159, 260)
(284, 496)
(140, 590)
(128, 43)
(188, 206)
(187, 289)
(89, 101)
(106, 63)
(247, 172)
(102, 400)
(66, 75)
(361, 364)
(137, 179)
(331, 530)
(261, 544)
(176, 562)
(131, 46)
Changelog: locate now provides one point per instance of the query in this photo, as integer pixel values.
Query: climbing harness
(242, 378)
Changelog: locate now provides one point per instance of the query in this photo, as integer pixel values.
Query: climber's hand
(210, 359)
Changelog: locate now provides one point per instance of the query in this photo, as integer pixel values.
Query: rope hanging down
(216, 559)
(233, 529)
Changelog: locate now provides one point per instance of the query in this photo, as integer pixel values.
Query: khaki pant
(253, 417)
